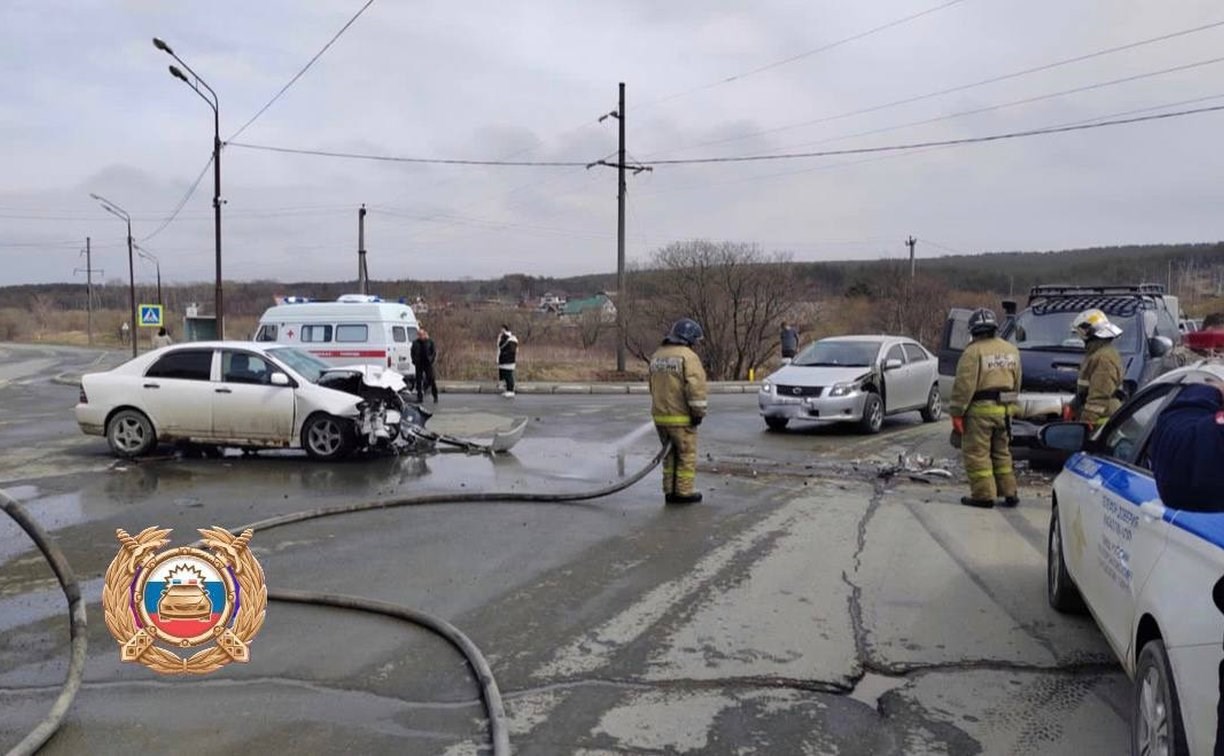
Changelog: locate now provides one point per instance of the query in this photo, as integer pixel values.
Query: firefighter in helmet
(1098, 390)
(983, 400)
(678, 404)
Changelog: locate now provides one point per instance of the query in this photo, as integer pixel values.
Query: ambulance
(356, 329)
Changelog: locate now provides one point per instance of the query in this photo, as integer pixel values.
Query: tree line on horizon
(1003, 273)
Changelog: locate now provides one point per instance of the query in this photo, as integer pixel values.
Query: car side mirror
(1159, 346)
(892, 364)
(1070, 437)
(279, 379)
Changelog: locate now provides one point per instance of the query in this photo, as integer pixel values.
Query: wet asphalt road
(807, 606)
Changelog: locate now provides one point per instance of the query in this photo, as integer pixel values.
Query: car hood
(795, 375)
(373, 375)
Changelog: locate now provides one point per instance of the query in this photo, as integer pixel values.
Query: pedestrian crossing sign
(150, 316)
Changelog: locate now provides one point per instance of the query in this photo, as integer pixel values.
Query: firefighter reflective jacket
(987, 379)
(1098, 388)
(677, 385)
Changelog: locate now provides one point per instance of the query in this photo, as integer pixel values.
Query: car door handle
(151, 385)
(223, 391)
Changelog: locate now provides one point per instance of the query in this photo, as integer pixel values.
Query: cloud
(89, 106)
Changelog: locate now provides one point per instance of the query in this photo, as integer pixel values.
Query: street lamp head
(176, 73)
(162, 46)
(94, 196)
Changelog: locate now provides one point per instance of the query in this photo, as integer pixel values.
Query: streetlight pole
(146, 254)
(215, 104)
(122, 215)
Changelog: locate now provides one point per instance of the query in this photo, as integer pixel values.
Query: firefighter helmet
(685, 331)
(983, 321)
(1093, 323)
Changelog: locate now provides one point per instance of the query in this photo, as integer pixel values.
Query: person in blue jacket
(1187, 450)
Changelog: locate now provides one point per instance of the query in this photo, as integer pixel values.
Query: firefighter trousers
(680, 464)
(988, 459)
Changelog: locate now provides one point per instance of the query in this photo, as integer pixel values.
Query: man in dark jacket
(790, 342)
(1187, 450)
(424, 354)
(507, 353)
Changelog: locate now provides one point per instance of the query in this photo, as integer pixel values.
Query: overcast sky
(88, 106)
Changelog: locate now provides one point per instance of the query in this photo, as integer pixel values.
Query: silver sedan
(859, 379)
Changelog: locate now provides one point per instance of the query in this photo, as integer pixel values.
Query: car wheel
(130, 433)
(934, 406)
(1060, 588)
(873, 414)
(776, 423)
(1156, 722)
(326, 437)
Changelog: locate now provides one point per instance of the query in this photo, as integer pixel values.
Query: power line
(806, 54)
(960, 87)
(1023, 101)
(757, 158)
(706, 185)
(182, 203)
(427, 161)
(305, 68)
(938, 143)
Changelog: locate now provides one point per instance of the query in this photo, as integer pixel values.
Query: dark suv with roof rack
(1050, 351)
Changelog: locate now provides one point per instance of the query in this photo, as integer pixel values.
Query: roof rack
(1061, 290)
(1121, 306)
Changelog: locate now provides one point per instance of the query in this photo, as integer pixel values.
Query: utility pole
(363, 274)
(88, 270)
(910, 242)
(621, 166)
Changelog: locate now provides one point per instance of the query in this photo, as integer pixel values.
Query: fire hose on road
(490, 694)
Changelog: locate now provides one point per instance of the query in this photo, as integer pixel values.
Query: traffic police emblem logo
(184, 598)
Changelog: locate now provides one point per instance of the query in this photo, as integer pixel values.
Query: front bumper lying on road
(820, 408)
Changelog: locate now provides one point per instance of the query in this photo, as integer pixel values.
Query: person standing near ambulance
(983, 400)
(1098, 390)
(678, 405)
(507, 355)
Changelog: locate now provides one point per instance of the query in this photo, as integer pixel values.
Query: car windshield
(303, 363)
(839, 354)
(1052, 330)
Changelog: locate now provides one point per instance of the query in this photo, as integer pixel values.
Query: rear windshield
(839, 354)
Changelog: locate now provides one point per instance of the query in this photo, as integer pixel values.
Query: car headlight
(766, 387)
(843, 389)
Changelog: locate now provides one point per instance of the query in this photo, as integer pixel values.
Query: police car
(1146, 572)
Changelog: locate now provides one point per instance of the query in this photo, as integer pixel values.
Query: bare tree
(591, 324)
(738, 294)
(915, 307)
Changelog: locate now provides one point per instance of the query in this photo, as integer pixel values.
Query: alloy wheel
(129, 434)
(325, 437)
(1153, 715)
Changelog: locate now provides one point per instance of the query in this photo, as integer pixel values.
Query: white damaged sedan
(859, 379)
(242, 394)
